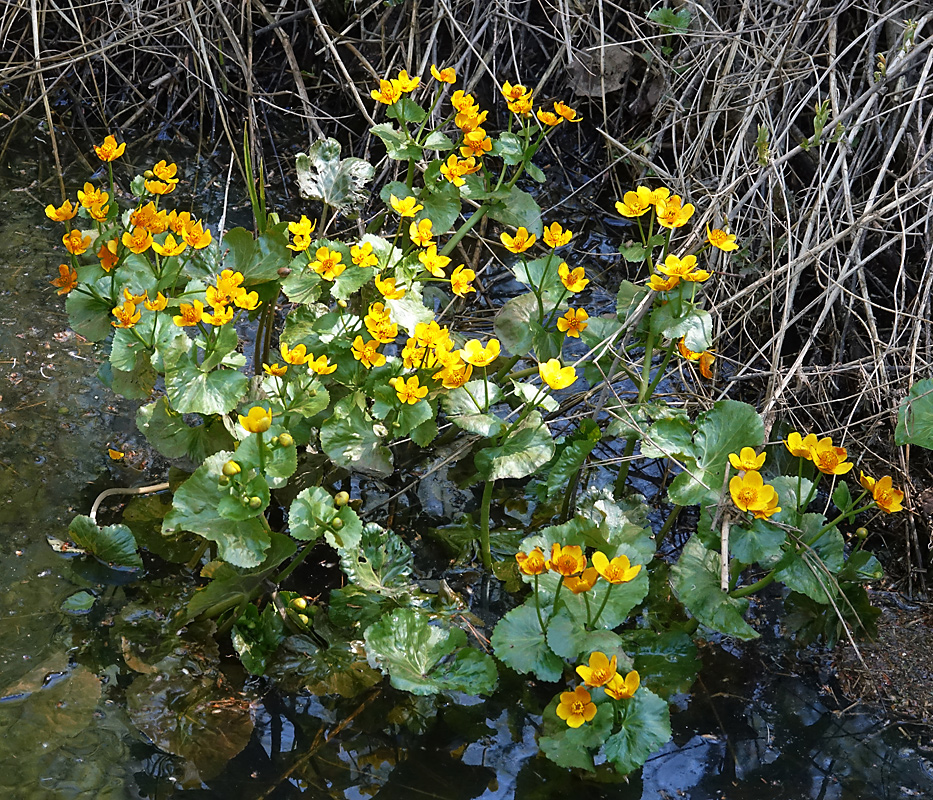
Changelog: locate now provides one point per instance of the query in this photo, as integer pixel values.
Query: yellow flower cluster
(390, 91)
(518, 99)
(571, 563)
(577, 707)
(886, 497)
(829, 460)
(748, 489)
(705, 359)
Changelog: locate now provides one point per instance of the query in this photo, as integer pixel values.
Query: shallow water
(757, 725)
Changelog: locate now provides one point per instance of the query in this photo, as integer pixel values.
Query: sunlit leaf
(519, 643)
(324, 176)
(645, 728)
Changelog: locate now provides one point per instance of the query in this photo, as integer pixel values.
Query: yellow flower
(420, 232)
(63, 213)
(139, 241)
(454, 168)
(635, 204)
(750, 493)
(555, 376)
(573, 280)
(133, 298)
(518, 243)
(462, 101)
(190, 314)
(160, 187)
(672, 213)
(747, 459)
(683, 268)
(802, 447)
(566, 561)
(555, 236)
(476, 144)
(433, 262)
(576, 707)
(367, 353)
(388, 93)
(109, 150)
(470, 120)
(127, 315)
(297, 355)
(883, 493)
(582, 583)
(220, 317)
(522, 106)
(409, 391)
(158, 304)
(257, 420)
(706, 364)
(91, 196)
(685, 351)
(67, 279)
(301, 234)
(406, 207)
(446, 75)
(460, 281)
(277, 370)
(620, 688)
(515, 91)
(405, 83)
(659, 284)
(532, 563)
(98, 212)
(573, 323)
(430, 334)
(619, 570)
(246, 300)
(474, 353)
(565, 111)
(387, 289)
(165, 172)
(169, 247)
(320, 365)
(548, 118)
(830, 460)
(327, 263)
(454, 376)
(724, 241)
(362, 255)
(147, 217)
(116, 455)
(76, 242)
(600, 671)
(197, 236)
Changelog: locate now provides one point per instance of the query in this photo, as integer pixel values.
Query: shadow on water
(73, 723)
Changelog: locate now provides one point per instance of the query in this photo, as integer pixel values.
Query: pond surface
(77, 695)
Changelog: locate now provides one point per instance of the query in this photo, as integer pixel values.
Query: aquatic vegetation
(369, 365)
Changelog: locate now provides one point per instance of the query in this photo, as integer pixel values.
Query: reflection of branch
(158, 487)
(319, 741)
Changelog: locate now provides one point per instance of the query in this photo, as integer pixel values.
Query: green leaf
(509, 148)
(572, 456)
(144, 516)
(760, 543)
(634, 252)
(539, 273)
(303, 284)
(726, 428)
(862, 567)
(113, 545)
(192, 391)
(695, 580)
(519, 643)
(645, 728)
(441, 205)
(410, 310)
(629, 297)
(692, 324)
(340, 669)
(406, 110)
(914, 414)
(438, 141)
(573, 747)
(352, 439)
(243, 543)
(672, 21)
(524, 450)
(812, 572)
(518, 210)
(78, 603)
(312, 514)
(280, 461)
(324, 176)
(379, 562)
(513, 323)
(666, 661)
(258, 259)
(570, 639)
(669, 438)
(535, 172)
(257, 636)
(398, 146)
(463, 407)
(423, 659)
(136, 384)
(842, 498)
(167, 432)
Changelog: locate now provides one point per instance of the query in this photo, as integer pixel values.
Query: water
(83, 712)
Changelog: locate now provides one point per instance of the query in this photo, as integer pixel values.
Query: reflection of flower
(556, 376)
(750, 493)
(747, 459)
(883, 492)
(600, 671)
(532, 563)
(619, 570)
(566, 561)
(576, 707)
(257, 420)
(620, 688)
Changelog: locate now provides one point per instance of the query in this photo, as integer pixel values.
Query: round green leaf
(519, 643)
(645, 728)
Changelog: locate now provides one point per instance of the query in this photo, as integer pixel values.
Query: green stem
(605, 600)
(538, 609)
(464, 229)
(622, 477)
(296, 562)
(669, 523)
(485, 550)
(745, 591)
(586, 603)
(262, 454)
(560, 585)
(660, 373)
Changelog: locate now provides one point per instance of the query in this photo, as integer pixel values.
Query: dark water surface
(758, 724)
